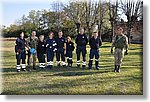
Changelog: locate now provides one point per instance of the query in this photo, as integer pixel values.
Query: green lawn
(73, 80)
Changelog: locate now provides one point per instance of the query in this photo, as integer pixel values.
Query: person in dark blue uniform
(95, 42)
(50, 49)
(81, 41)
(61, 49)
(20, 52)
(41, 51)
(69, 49)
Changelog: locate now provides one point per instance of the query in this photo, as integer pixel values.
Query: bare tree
(73, 11)
(133, 11)
(102, 9)
(86, 13)
(113, 13)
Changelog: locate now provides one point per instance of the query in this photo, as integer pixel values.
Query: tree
(87, 14)
(73, 11)
(133, 11)
(113, 13)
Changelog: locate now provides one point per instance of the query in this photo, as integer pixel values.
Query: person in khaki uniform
(32, 42)
(120, 42)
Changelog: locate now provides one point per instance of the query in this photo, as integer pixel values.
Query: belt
(118, 48)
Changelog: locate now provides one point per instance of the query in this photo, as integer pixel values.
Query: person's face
(22, 35)
(119, 31)
(33, 33)
(82, 31)
(95, 34)
(60, 34)
(50, 35)
(68, 39)
(42, 38)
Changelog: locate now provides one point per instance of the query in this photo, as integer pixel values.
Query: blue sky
(13, 10)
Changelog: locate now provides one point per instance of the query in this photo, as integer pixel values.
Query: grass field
(76, 81)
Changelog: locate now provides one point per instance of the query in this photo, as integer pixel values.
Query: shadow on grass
(9, 70)
(58, 69)
(106, 46)
(78, 73)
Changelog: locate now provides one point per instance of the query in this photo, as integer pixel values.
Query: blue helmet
(32, 51)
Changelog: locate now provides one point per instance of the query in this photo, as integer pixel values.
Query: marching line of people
(63, 48)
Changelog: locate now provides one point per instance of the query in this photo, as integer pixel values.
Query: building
(136, 32)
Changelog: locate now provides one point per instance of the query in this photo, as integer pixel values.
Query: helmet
(32, 51)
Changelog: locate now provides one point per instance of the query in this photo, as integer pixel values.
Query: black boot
(83, 66)
(34, 67)
(71, 63)
(29, 68)
(90, 64)
(118, 69)
(58, 65)
(115, 70)
(50, 66)
(96, 64)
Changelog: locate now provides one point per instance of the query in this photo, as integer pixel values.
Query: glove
(126, 52)
(111, 51)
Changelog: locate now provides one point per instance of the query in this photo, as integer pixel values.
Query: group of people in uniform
(46, 49)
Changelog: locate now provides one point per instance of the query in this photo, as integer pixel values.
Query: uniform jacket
(95, 43)
(41, 47)
(51, 45)
(70, 46)
(81, 40)
(120, 42)
(20, 45)
(32, 42)
(60, 42)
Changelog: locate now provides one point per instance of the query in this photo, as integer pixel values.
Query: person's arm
(37, 40)
(86, 40)
(44, 47)
(126, 45)
(73, 46)
(113, 44)
(100, 42)
(76, 39)
(55, 46)
(27, 43)
(47, 44)
(65, 46)
(17, 50)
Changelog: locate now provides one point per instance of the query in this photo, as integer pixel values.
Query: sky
(13, 10)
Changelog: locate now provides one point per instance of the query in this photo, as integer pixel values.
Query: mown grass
(76, 81)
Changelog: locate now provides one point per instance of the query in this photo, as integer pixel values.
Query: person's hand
(26, 48)
(111, 51)
(65, 52)
(17, 53)
(126, 52)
